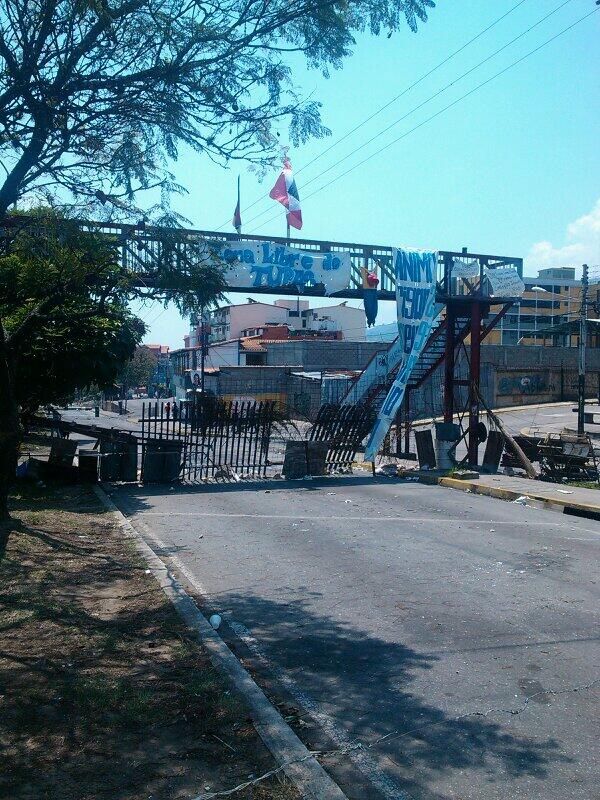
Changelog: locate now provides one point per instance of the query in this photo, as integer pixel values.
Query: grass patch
(105, 700)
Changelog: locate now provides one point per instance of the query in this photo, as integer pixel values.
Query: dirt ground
(103, 693)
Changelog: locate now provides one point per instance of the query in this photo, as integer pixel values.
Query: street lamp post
(537, 289)
(582, 343)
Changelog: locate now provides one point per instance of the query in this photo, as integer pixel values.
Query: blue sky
(513, 169)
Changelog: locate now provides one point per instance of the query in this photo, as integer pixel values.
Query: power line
(442, 110)
(416, 83)
(426, 101)
(152, 321)
(393, 100)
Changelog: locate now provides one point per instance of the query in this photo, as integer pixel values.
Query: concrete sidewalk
(554, 496)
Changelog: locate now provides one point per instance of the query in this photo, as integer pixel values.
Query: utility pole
(203, 348)
(202, 357)
(582, 343)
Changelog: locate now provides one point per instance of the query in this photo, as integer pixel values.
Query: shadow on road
(104, 691)
(363, 684)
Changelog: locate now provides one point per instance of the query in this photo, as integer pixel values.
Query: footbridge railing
(142, 248)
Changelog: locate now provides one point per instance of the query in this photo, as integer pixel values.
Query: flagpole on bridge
(286, 193)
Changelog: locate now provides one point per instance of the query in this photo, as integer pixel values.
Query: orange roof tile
(252, 343)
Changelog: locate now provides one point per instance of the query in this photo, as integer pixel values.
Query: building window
(538, 303)
(255, 359)
(510, 337)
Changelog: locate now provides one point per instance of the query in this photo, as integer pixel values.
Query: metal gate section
(343, 428)
(205, 438)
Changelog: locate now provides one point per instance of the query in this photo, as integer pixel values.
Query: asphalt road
(453, 637)
(546, 419)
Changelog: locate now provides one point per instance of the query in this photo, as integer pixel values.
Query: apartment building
(233, 321)
(550, 299)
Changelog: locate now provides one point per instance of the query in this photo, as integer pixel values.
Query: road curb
(292, 756)
(419, 423)
(537, 500)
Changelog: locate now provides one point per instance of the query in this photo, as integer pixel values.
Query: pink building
(228, 322)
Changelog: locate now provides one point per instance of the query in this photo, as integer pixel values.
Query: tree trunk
(10, 434)
(13, 185)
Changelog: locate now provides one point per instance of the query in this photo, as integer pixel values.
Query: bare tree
(96, 96)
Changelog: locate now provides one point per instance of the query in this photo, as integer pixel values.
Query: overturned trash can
(447, 435)
(161, 460)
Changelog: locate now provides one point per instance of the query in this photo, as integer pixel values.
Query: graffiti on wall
(525, 383)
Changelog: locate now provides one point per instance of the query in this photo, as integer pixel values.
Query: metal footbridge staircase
(467, 312)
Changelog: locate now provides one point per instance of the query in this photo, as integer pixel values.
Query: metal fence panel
(209, 437)
(343, 428)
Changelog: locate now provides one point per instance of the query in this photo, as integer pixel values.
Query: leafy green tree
(96, 96)
(65, 321)
(71, 353)
(138, 370)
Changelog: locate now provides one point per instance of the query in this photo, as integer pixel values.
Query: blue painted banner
(416, 273)
(255, 263)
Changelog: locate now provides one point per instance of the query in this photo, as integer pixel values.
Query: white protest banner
(505, 282)
(254, 263)
(416, 273)
(465, 269)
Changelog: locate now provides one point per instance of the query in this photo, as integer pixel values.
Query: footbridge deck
(143, 247)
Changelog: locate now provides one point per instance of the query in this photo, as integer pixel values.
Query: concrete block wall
(299, 396)
(510, 376)
(520, 357)
(259, 383)
(513, 376)
(304, 396)
(323, 355)
(529, 375)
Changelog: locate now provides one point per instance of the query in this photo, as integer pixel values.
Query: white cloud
(582, 245)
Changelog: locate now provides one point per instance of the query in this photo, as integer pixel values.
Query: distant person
(168, 407)
(57, 418)
(175, 410)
